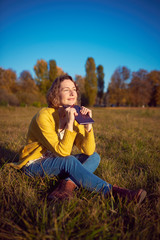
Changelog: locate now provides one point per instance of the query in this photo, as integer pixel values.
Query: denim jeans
(79, 168)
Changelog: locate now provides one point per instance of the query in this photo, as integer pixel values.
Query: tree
(140, 88)
(53, 72)
(60, 71)
(42, 79)
(154, 79)
(27, 83)
(28, 91)
(8, 87)
(100, 78)
(90, 82)
(8, 80)
(117, 89)
(80, 81)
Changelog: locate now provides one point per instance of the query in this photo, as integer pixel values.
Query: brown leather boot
(63, 191)
(131, 195)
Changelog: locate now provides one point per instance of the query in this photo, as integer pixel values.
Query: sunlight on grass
(128, 141)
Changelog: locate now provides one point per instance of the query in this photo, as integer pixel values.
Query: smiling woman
(52, 134)
(68, 93)
(63, 91)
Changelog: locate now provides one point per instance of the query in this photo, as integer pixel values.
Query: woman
(52, 134)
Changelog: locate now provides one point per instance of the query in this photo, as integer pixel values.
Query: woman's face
(67, 93)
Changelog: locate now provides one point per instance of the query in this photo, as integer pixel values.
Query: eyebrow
(69, 88)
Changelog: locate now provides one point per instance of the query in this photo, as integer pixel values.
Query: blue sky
(115, 33)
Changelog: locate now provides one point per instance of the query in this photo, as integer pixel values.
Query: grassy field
(128, 141)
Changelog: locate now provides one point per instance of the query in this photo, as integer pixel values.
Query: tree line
(139, 88)
(126, 88)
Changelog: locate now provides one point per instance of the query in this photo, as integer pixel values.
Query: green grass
(128, 141)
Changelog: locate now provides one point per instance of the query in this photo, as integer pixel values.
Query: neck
(61, 112)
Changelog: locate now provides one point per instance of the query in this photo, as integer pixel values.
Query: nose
(71, 92)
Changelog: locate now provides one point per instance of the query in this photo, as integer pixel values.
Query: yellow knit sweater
(43, 135)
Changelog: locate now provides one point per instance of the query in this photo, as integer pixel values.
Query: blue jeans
(79, 168)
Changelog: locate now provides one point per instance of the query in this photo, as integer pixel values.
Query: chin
(71, 103)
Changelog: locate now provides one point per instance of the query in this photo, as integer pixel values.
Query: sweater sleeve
(44, 129)
(85, 141)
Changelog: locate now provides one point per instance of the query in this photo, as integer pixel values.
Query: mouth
(71, 99)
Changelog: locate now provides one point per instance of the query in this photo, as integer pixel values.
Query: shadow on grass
(7, 155)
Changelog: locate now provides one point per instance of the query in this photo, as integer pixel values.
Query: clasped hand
(70, 116)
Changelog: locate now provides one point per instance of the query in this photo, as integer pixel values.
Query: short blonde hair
(52, 96)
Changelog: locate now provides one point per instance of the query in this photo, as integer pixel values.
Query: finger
(72, 111)
(86, 111)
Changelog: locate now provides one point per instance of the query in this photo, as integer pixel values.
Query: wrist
(69, 126)
(88, 127)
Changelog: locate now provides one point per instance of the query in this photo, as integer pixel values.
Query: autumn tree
(53, 72)
(60, 71)
(8, 79)
(28, 91)
(154, 79)
(100, 79)
(42, 78)
(90, 81)
(80, 81)
(27, 83)
(8, 87)
(140, 88)
(117, 89)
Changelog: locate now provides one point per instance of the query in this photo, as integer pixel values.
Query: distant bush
(8, 98)
(22, 104)
(31, 99)
(37, 104)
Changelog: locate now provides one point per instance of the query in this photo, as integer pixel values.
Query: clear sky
(114, 32)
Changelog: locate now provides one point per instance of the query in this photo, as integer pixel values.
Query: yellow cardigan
(43, 135)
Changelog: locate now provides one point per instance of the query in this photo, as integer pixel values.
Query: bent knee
(96, 157)
(70, 160)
